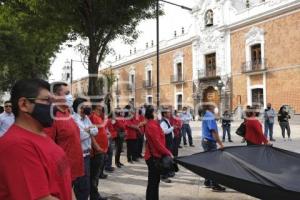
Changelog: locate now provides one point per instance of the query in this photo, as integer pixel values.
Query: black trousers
(176, 142)
(169, 141)
(285, 126)
(97, 166)
(119, 147)
(82, 184)
(152, 192)
(140, 145)
(131, 149)
(109, 154)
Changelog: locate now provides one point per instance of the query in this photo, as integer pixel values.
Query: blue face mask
(69, 100)
(42, 113)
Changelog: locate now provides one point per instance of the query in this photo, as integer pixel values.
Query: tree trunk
(93, 69)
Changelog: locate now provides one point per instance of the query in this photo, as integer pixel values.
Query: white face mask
(69, 100)
(216, 110)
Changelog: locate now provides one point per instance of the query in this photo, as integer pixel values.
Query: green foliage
(32, 31)
(29, 39)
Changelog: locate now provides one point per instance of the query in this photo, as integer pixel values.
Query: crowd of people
(53, 146)
(57, 147)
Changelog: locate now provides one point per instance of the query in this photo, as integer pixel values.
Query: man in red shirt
(120, 127)
(65, 131)
(99, 150)
(177, 124)
(140, 142)
(132, 131)
(32, 165)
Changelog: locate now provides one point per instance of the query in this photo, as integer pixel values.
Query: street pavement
(129, 183)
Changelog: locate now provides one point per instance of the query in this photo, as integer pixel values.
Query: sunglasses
(8, 106)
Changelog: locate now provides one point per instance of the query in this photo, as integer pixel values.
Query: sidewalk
(129, 183)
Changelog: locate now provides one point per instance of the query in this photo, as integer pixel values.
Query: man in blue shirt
(210, 138)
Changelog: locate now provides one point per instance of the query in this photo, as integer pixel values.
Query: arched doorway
(212, 96)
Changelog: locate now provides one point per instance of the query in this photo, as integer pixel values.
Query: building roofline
(276, 11)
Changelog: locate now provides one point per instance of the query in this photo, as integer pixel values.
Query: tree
(100, 22)
(29, 39)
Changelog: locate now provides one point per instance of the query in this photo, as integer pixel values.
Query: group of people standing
(57, 147)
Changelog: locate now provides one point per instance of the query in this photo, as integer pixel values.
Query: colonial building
(137, 74)
(265, 54)
(236, 53)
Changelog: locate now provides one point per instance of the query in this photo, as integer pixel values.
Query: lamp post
(220, 86)
(157, 42)
(71, 71)
(117, 92)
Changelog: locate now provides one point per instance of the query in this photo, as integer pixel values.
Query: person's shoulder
(15, 138)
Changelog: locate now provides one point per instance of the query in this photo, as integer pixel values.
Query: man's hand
(221, 146)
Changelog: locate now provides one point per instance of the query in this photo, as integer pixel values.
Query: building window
(149, 77)
(210, 60)
(149, 100)
(258, 97)
(256, 56)
(179, 102)
(179, 71)
(209, 18)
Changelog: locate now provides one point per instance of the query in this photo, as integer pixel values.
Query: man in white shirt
(168, 131)
(7, 118)
(186, 117)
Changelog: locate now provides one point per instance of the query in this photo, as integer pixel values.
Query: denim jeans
(186, 130)
(226, 130)
(109, 155)
(269, 130)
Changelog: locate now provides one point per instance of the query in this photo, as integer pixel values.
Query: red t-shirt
(111, 129)
(175, 121)
(131, 134)
(32, 167)
(141, 119)
(156, 140)
(254, 132)
(120, 124)
(66, 134)
(101, 137)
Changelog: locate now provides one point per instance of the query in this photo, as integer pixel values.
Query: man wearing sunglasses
(7, 118)
(32, 165)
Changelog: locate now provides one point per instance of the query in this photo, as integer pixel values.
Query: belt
(87, 151)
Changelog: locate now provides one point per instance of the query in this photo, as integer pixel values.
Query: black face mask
(87, 111)
(42, 113)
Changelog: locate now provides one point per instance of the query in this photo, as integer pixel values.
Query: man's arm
(217, 138)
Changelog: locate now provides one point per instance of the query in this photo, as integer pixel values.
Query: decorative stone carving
(209, 18)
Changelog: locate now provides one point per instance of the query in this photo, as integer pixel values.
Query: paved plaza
(129, 183)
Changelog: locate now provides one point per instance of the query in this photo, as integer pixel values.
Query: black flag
(260, 171)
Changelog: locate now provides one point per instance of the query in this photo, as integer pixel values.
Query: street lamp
(71, 71)
(220, 86)
(157, 40)
(117, 93)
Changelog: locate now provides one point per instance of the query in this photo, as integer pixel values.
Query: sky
(174, 19)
